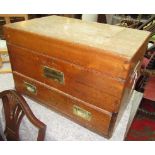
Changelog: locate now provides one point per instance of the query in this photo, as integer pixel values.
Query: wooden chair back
(15, 107)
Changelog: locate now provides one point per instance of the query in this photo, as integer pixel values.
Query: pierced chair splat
(15, 107)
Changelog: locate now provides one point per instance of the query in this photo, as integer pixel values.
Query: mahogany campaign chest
(83, 70)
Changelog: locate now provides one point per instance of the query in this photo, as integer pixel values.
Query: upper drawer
(92, 87)
(88, 57)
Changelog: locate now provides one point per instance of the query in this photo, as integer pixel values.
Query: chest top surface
(115, 39)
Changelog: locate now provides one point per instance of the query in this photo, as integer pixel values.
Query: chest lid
(121, 41)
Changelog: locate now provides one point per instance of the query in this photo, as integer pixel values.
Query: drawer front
(91, 87)
(88, 116)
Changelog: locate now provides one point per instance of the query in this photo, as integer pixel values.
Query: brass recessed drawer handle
(53, 74)
(30, 88)
(78, 111)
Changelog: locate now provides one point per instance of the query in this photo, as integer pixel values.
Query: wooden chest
(83, 70)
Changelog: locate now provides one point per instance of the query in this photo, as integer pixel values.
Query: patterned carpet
(143, 126)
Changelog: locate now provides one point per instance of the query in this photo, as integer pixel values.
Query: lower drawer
(87, 115)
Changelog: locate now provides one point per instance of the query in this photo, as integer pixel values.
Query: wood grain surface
(99, 64)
